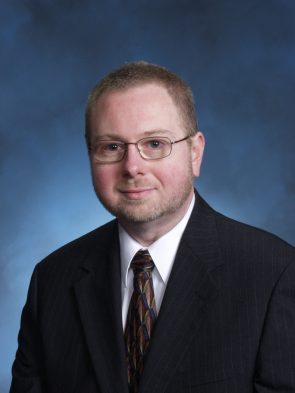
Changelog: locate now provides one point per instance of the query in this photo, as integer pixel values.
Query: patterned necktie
(141, 317)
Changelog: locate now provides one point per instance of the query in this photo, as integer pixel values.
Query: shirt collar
(162, 251)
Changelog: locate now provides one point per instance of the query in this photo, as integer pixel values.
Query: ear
(197, 150)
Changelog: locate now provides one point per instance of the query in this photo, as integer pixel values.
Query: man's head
(140, 73)
(142, 185)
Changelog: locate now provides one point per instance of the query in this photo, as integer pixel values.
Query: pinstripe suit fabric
(226, 324)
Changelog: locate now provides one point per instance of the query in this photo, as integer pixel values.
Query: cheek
(173, 175)
(102, 178)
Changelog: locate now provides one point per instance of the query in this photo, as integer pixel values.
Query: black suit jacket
(226, 324)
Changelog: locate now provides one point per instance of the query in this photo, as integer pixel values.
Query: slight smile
(137, 193)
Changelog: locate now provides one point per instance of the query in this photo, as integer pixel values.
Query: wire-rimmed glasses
(151, 148)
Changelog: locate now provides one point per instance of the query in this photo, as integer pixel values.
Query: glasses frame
(126, 144)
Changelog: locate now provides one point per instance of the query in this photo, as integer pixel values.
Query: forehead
(141, 108)
(151, 94)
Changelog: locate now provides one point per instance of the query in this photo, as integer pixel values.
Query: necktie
(141, 317)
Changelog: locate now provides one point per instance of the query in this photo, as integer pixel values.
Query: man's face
(138, 190)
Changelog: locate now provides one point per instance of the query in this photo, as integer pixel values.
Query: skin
(148, 197)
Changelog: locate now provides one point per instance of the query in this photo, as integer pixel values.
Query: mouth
(137, 193)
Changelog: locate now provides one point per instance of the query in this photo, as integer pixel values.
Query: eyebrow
(116, 137)
(158, 132)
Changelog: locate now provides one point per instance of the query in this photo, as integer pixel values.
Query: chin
(137, 217)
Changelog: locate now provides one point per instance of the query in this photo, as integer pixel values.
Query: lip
(137, 193)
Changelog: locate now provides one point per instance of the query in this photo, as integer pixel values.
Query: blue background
(239, 58)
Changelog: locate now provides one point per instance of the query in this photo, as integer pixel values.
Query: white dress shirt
(162, 251)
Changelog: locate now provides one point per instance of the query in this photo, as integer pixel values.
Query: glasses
(152, 148)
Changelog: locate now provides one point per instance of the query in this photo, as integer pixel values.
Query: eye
(110, 147)
(155, 144)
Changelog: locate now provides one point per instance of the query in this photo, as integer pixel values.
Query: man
(171, 296)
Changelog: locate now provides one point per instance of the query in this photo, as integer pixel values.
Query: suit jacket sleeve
(275, 371)
(28, 367)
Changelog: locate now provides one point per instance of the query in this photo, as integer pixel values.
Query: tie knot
(142, 262)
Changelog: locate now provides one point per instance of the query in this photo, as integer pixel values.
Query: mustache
(132, 184)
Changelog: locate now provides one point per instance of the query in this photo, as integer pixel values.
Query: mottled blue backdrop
(239, 57)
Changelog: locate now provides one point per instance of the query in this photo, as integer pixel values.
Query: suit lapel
(190, 290)
(98, 295)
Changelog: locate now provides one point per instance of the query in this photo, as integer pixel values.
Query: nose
(133, 164)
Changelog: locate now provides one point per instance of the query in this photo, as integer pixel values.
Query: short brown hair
(139, 73)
